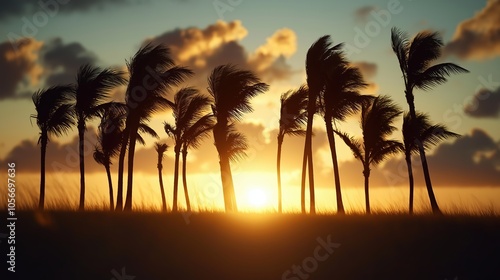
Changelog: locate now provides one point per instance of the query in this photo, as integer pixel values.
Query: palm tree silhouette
(293, 116)
(231, 90)
(376, 122)
(420, 130)
(53, 117)
(160, 149)
(92, 89)
(189, 107)
(415, 61)
(316, 58)
(340, 99)
(108, 142)
(152, 74)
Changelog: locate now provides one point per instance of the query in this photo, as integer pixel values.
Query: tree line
(332, 91)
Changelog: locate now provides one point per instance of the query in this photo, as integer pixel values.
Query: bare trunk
(81, 132)
(184, 180)
(176, 179)
(366, 173)
(43, 150)
(303, 183)
(121, 163)
(410, 179)
(311, 109)
(110, 184)
(278, 170)
(130, 171)
(425, 167)
(336, 175)
(220, 132)
(162, 190)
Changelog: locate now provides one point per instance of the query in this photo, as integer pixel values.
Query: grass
(151, 245)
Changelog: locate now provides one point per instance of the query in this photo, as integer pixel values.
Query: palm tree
(316, 58)
(293, 116)
(92, 89)
(53, 117)
(152, 74)
(160, 149)
(231, 90)
(415, 61)
(429, 135)
(340, 99)
(189, 106)
(376, 122)
(192, 138)
(108, 144)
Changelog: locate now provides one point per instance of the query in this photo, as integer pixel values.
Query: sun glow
(256, 198)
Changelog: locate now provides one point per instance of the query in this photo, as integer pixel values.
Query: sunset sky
(270, 38)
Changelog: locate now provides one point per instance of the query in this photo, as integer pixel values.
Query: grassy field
(148, 246)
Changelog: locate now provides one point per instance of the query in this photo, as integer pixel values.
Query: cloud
(219, 43)
(61, 61)
(485, 104)
(24, 7)
(19, 68)
(368, 70)
(479, 36)
(363, 13)
(471, 160)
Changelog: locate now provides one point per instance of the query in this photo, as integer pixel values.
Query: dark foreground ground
(146, 246)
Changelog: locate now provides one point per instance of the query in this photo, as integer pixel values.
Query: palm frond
(353, 144)
(436, 75)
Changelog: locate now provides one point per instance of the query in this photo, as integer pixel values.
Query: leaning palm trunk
(176, 179)
(130, 171)
(308, 154)
(184, 179)
(43, 148)
(162, 190)
(366, 173)
(425, 167)
(333, 150)
(81, 132)
(225, 169)
(110, 184)
(278, 170)
(121, 164)
(410, 179)
(303, 184)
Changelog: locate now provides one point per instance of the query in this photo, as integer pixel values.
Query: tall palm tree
(415, 61)
(316, 59)
(340, 99)
(152, 74)
(427, 134)
(293, 116)
(93, 86)
(160, 149)
(189, 106)
(376, 122)
(53, 117)
(108, 143)
(192, 139)
(231, 90)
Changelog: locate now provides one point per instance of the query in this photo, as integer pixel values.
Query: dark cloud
(479, 36)
(19, 68)
(471, 160)
(485, 104)
(363, 13)
(204, 49)
(25, 7)
(61, 61)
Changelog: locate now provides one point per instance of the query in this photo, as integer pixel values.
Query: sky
(271, 39)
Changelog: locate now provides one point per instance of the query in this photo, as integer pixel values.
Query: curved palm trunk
(308, 151)
(303, 183)
(225, 169)
(366, 173)
(425, 167)
(176, 180)
(130, 171)
(43, 150)
(110, 184)
(163, 199)
(333, 150)
(278, 170)
(184, 180)
(81, 133)
(410, 179)
(121, 163)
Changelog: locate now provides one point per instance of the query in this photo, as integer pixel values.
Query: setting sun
(256, 198)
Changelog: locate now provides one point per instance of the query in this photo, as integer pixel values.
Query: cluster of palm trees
(332, 91)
